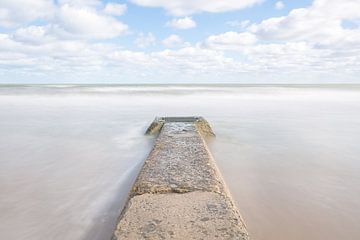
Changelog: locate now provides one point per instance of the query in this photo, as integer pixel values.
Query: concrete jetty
(179, 193)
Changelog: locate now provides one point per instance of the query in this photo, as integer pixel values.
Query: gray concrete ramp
(179, 193)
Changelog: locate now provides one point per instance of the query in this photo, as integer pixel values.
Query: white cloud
(145, 40)
(231, 40)
(87, 23)
(279, 5)
(319, 24)
(61, 58)
(34, 35)
(184, 8)
(115, 9)
(316, 41)
(197, 62)
(239, 24)
(288, 57)
(182, 23)
(68, 58)
(17, 12)
(81, 3)
(174, 41)
(68, 19)
(311, 40)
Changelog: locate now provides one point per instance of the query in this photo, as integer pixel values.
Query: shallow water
(69, 154)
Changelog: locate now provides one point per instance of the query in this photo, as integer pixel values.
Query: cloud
(115, 9)
(279, 5)
(174, 41)
(182, 23)
(321, 41)
(144, 41)
(81, 3)
(87, 60)
(65, 59)
(17, 12)
(319, 24)
(67, 19)
(64, 56)
(312, 40)
(84, 22)
(288, 57)
(231, 40)
(197, 61)
(238, 24)
(184, 8)
(34, 35)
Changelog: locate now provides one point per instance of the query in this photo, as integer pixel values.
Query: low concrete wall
(179, 193)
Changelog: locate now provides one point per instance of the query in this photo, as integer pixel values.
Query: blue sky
(179, 41)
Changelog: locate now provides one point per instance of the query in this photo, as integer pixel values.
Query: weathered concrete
(180, 194)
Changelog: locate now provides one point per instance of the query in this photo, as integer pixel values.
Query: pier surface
(179, 193)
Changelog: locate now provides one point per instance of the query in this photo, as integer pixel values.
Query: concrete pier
(179, 193)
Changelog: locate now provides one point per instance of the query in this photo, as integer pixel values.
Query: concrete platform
(179, 193)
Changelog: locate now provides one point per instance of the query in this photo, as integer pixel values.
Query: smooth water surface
(69, 154)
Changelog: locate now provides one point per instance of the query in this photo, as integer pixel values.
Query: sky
(179, 41)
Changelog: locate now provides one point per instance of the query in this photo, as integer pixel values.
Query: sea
(289, 154)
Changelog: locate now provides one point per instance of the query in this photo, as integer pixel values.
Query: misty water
(290, 156)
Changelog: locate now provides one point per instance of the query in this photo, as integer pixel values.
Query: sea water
(69, 154)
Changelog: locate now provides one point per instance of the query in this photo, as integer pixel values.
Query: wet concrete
(179, 192)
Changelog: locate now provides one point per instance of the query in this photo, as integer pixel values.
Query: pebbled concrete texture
(193, 215)
(179, 192)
